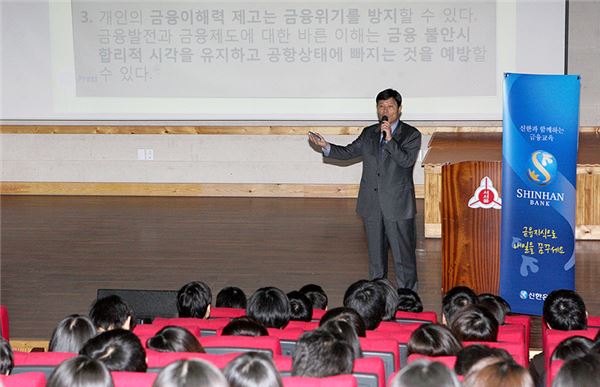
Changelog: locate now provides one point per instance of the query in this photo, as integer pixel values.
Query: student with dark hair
(468, 356)
(231, 297)
(192, 373)
(270, 306)
(497, 372)
(347, 315)
(581, 371)
(244, 326)
(494, 307)
(193, 300)
(474, 323)
(71, 334)
(346, 333)
(112, 312)
(252, 369)
(425, 373)
(501, 301)
(320, 353)
(316, 294)
(80, 371)
(433, 340)
(174, 339)
(391, 298)
(368, 299)
(572, 347)
(456, 298)
(409, 301)
(6, 357)
(301, 308)
(118, 349)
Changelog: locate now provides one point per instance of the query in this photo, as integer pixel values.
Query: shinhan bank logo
(523, 294)
(542, 167)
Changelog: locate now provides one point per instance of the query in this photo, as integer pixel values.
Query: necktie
(381, 144)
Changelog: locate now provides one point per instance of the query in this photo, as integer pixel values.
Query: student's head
(316, 294)
(497, 372)
(344, 332)
(469, 355)
(6, 357)
(231, 297)
(409, 301)
(501, 301)
(71, 334)
(433, 340)
(474, 323)
(118, 349)
(196, 373)
(347, 315)
(244, 326)
(319, 353)
(391, 298)
(456, 298)
(579, 372)
(494, 307)
(389, 103)
(301, 308)
(80, 371)
(112, 312)
(368, 299)
(572, 347)
(174, 339)
(270, 306)
(193, 300)
(423, 373)
(565, 310)
(252, 369)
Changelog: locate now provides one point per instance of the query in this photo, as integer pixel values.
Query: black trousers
(401, 237)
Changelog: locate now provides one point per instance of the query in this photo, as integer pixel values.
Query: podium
(470, 217)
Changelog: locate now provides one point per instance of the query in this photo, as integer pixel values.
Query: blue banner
(539, 165)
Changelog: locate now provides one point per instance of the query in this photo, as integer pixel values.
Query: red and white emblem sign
(486, 196)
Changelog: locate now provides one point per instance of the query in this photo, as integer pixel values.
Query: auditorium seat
(44, 362)
(330, 381)
(283, 364)
(593, 322)
(318, 314)
(306, 326)
(133, 379)
(4, 327)
(523, 320)
(448, 361)
(29, 379)
(157, 360)
(369, 372)
(288, 338)
(399, 332)
(228, 344)
(229, 313)
(516, 350)
(555, 337)
(207, 327)
(385, 349)
(416, 317)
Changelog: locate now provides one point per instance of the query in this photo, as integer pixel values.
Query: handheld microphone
(383, 118)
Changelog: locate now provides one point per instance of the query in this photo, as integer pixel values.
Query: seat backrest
(44, 362)
(523, 320)
(133, 379)
(206, 327)
(416, 317)
(329, 381)
(304, 325)
(157, 360)
(555, 337)
(4, 327)
(369, 372)
(283, 365)
(29, 379)
(385, 349)
(318, 314)
(146, 304)
(288, 338)
(227, 344)
(515, 349)
(448, 361)
(222, 312)
(399, 332)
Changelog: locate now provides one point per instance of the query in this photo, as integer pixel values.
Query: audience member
(368, 299)
(316, 294)
(80, 371)
(174, 339)
(344, 332)
(494, 307)
(433, 340)
(581, 371)
(391, 298)
(71, 334)
(6, 357)
(118, 349)
(190, 373)
(456, 298)
(193, 300)
(501, 301)
(231, 297)
(497, 372)
(112, 312)
(270, 306)
(244, 326)
(319, 354)
(469, 355)
(409, 301)
(425, 373)
(348, 315)
(252, 369)
(572, 347)
(474, 323)
(301, 308)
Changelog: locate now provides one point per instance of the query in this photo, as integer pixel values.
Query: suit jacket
(387, 183)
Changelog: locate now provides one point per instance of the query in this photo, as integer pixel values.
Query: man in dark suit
(386, 199)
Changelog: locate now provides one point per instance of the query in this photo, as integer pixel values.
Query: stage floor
(57, 251)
